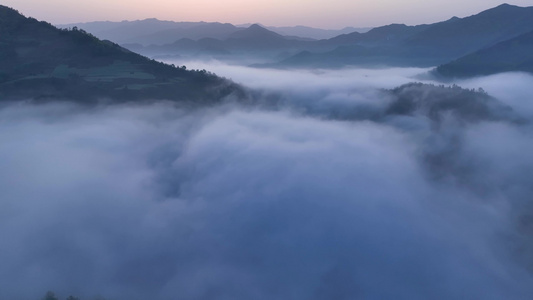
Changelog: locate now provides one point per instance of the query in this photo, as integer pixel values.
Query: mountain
(125, 31)
(196, 32)
(153, 31)
(40, 61)
(258, 38)
(422, 45)
(383, 35)
(439, 103)
(515, 54)
(458, 37)
(314, 33)
(256, 32)
(253, 42)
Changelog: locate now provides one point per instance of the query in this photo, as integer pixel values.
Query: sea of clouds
(291, 200)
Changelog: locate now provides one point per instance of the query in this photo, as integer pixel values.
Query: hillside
(512, 55)
(196, 32)
(40, 61)
(314, 33)
(422, 45)
(460, 36)
(153, 31)
(383, 35)
(253, 41)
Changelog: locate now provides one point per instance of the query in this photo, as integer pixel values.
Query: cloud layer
(292, 202)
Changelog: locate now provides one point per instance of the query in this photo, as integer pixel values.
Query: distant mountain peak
(255, 31)
(503, 7)
(256, 26)
(258, 29)
(42, 62)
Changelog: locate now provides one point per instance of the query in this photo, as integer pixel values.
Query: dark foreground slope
(511, 55)
(39, 61)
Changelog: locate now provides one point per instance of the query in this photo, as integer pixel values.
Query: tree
(50, 296)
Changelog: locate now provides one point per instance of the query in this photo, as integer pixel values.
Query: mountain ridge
(41, 61)
(515, 54)
(423, 45)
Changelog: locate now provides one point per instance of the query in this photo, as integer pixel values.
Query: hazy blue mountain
(185, 47)
(512, 55)
(383, 35)
(255, 41)
(256, 32)
(154, 31)
(40, 61)
(458, 37)
(159, 32)
(423, 45)
(199, 31)
(309, 32)
(257, 38)
(314, 33)
(126, 31)
(393, 45)
(351, 55)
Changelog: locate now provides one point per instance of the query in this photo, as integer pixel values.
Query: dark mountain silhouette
(40, 61)
(458, 37)
(439, 102)
(423, 45)
(391, 45)
(384, 35)
(512, 55)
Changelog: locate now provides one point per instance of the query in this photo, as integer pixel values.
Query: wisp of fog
(299, 200)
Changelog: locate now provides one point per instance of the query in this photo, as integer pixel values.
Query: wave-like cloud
(291, 202)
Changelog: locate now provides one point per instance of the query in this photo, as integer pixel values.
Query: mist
(322, 191)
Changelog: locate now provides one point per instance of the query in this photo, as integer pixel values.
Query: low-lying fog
(156, 202)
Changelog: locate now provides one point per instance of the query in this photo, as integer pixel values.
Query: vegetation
(425, 45)
(438, 101)
(42, 62)
(513, 55)
(52, 296)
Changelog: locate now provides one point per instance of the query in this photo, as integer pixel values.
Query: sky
(333, 14)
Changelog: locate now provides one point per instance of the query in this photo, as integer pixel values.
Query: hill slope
(512, 55)
(460, 36)
(153, 31)
(40, 61)
(253, 41)
(422, 45)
